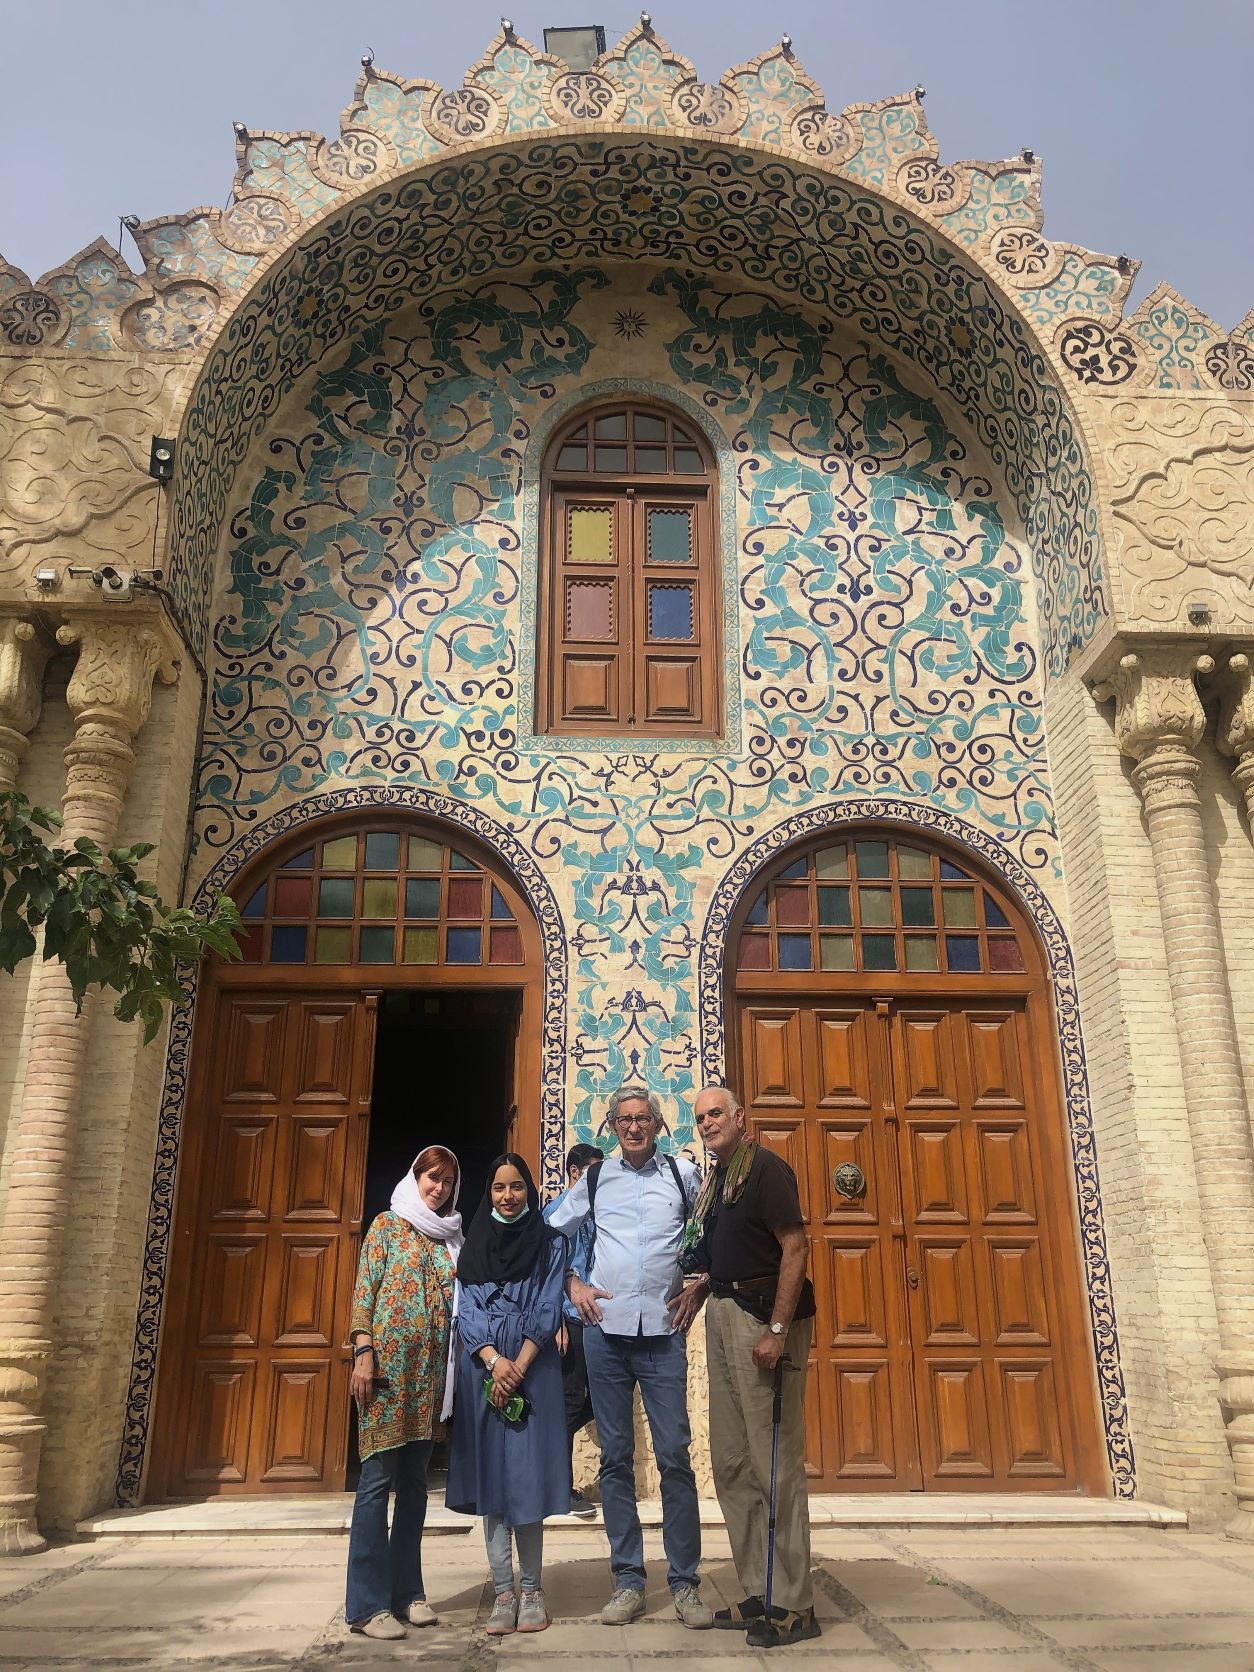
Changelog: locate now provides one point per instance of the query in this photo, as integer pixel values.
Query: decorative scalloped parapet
(196, 263)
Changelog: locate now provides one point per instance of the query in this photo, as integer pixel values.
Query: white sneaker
(385, 1626)
(626, 1604)
(691, 1610)
(420, 1613)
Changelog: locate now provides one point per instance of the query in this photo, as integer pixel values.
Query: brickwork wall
(1160, 1274)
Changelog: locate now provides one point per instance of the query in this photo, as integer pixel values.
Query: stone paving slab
(1115, 1599)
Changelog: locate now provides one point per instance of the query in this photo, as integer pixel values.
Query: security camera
(1198, 612)
(112, 581)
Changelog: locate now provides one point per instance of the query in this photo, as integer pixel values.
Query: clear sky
(1141, 110)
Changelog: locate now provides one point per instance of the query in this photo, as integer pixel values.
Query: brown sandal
(784, 1626)
(739, 1615)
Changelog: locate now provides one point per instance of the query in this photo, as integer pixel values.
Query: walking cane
(777, 1392)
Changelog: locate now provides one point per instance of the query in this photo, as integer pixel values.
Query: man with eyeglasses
(637, 1310)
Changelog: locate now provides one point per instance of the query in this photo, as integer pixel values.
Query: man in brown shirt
(752, 1244)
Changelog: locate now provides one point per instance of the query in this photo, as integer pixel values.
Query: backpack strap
(679, 1183)
(594, 1173)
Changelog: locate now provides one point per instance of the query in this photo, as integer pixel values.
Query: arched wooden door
(895, 1042)
(253, 1387)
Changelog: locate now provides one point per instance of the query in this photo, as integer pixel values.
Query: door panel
(937, 1354)
(258, 1369)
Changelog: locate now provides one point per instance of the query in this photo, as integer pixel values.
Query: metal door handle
(912, 1278)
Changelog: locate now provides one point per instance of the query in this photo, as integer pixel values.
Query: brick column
(1236, 725)
(24, 653)
(1159, 722)
(109, 696)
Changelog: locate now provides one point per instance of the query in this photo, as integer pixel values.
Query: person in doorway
(400, 1330)
(570, 1335)
(510, 1461)
(636, 1311)
(748, 1234)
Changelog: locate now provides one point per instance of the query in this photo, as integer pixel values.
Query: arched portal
(388, 997)
(892, 1036)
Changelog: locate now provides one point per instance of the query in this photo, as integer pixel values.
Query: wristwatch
(779, 1329)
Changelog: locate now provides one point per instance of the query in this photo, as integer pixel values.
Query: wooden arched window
(629, 639)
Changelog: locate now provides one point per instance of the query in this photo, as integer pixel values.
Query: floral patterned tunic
(404, 1298)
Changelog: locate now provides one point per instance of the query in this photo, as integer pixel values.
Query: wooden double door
(926, 1138)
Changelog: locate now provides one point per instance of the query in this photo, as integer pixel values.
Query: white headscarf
(446, 1228)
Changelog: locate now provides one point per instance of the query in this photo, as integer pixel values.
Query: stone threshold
(327, 1514)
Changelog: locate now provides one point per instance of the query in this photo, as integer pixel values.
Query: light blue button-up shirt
(639, 1227)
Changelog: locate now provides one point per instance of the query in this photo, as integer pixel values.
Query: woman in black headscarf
(512, 1470)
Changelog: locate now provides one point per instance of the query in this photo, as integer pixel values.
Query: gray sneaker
(504, 1616)
(532, 1613)
(691, 1610)
(626, 1604)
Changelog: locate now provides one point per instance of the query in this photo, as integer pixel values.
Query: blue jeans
(658, 1365)
(385, 1574)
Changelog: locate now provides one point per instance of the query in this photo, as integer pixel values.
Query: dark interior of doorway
(443, 1074)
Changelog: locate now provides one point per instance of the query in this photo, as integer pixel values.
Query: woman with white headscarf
(402, 1381)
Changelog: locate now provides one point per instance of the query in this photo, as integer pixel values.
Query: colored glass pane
(651, 461)
(340, 855)
(422, 897)
(573, 458)
(463, 946)
(378, 897)
(757, 911)
(879, 952)
(292, 896)
(378, 945)
(421, 946)
(688, 462)
(798, 868)
(670, 612)
(459, 862)
(958, 908)
(836, 952)
(962, 952)
(500, 911)
(383, 851)
(832, 862)
(591, 534)
(754, 952)
(794, 952)
(1004, 953)
(872, 859)
(589, 610)
(917, 907)
(335, 897)
(612, 458)
(250, 944)
(835, 907)
(951, 873)
(300, 861)
(424, 854)
(465, 896)
(256, 906)
(612, 427)
(875, 907)
(994, 916)
(792, 906)
(670, 536)
(649, 428)
(333, 946)
(921, 953)
(504, 944)
(913, 865)
(287, 943)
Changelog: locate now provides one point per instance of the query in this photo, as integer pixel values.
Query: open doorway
(443, 1074)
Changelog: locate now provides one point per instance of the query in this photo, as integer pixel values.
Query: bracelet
(367, 1347)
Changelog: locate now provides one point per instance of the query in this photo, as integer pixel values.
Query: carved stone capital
(1157, 705)
(110, 690)
(24, 652)
(1235, 680)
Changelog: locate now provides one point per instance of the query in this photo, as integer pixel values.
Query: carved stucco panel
(74, 441)
(1181, 474)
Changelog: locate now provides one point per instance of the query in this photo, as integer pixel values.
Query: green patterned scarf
(733, 1178)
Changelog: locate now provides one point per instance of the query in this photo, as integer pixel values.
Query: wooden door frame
(1035, 989)
(330, 981)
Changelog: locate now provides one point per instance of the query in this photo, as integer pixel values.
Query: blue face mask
(502, 1220)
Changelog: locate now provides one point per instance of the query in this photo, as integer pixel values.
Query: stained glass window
(380, 896)
(875, 906)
